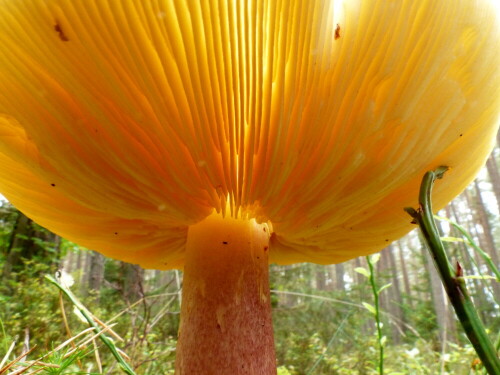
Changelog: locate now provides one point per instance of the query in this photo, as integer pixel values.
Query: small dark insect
(337, 32)
(52, 185)
(60, 31)
(224, 242)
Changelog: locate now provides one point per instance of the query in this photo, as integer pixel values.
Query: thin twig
(36, 371)
(87, 340)
(16, 360)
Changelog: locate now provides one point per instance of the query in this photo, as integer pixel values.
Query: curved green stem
(380, 336)
(452, 279)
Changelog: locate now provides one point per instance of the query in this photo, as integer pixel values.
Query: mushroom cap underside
(123, 123)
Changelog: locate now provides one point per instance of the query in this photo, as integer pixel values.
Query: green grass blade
(108, 342)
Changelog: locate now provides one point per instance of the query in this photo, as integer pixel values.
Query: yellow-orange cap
(124, 122)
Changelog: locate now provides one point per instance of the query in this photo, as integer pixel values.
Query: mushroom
(219, 136)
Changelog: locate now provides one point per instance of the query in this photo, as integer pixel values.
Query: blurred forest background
(323, 315)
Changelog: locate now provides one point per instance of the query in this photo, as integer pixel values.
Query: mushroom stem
(226, 325)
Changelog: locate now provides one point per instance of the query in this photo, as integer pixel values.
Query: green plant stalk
(486, 257)
(453, 283)
(376, 292)
(108, 342)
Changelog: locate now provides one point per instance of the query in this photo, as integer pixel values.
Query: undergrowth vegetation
(317, 333)
(319, 328)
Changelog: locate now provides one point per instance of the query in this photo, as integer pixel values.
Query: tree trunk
(381, 278)
(26, 242)
(485, 223)
(69, 262)
(20, 239)
(494, 178)
(330, 277)
(133, 278)
(85, 272)
(404, 271)
(79, 267)
(390, 299)
(395, 300)
(470, 226)
(486, 237)
(339, 277)
(439, 300)
(320, 277)
(96, 273)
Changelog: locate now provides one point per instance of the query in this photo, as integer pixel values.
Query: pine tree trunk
(470, 226)
(20, 239)
(488, 243)
(396, 300)
(494, 177)
(96, 273)
(69, 261)
(79, 267)
(339, 277)
(439, 301)
(85, 272)
(485, 223)
(359, 278)
(320, 277)
(404, 271)
(133, 278)
(330, 277)
(381, 279)
(27, 242)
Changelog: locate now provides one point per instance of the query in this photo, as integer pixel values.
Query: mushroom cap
(124, 122)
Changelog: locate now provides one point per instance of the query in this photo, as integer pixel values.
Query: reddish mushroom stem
(226, 325)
